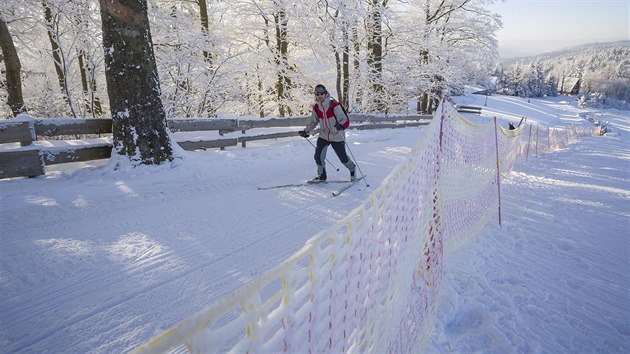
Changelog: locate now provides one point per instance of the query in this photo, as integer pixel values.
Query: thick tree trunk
(139, 119)
(13, 70)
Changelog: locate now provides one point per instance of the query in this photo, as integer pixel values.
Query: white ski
(350, 184)
(324, 182)
(300, 184)
(284, 186)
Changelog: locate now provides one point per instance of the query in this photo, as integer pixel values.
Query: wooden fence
(469, 109)
(31, 157)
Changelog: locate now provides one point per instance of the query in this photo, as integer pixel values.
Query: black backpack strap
(332, 99)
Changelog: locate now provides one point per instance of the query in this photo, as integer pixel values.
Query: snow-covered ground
(555, 277)
(96, 260)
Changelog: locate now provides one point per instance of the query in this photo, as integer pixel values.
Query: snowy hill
(94, 260)
(591, 48)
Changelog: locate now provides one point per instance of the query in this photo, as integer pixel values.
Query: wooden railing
(469, 109)
(35, 152)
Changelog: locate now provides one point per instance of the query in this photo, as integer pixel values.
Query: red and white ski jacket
(324, 114)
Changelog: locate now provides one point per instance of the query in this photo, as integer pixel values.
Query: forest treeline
(251, 57)
(603, 71)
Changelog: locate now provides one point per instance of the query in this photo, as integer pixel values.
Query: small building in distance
(570, 86)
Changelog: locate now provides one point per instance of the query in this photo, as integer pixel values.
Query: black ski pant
(340, 150)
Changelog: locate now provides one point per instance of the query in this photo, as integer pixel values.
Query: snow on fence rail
(369, 283)
(31, 157)
(468, 109)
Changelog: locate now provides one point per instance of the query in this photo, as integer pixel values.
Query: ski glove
(303, 133)
(338, 126)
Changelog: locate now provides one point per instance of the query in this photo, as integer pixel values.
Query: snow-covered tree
(260, 57)
(13, 81)
(452, 41)
(138, 117)
(601, 68)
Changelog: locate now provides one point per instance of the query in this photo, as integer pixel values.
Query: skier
(331, 118)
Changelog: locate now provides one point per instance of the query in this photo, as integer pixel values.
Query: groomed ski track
(170, 246)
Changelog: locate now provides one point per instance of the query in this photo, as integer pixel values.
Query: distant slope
(599, 72)
(569, 51)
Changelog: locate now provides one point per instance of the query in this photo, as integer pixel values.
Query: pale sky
(532, 27)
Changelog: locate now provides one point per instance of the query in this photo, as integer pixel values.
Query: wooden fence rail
(30, 159)
(469, 109)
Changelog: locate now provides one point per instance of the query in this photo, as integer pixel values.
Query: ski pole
(328, 162)
(355, 160)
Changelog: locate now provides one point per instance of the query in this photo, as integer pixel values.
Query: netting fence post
(529, 139)
(537, 141)
(496, 141)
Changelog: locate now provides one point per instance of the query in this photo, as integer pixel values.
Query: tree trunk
(375, 53)
(94, 101)
(205, 27)
(51, 26)
(341, 60)
(423, 97)
(208, 58)
(260, 99)
(284, 83)
(92, 104)
(423, 103)
(84, 82)
(356, 49)
(88, 83)
(13, 70)
(139, 120)
(345, 92)
(338, 74)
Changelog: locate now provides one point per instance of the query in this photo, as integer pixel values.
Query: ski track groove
(55, 298)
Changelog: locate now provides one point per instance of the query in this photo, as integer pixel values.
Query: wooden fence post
(21, 163)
